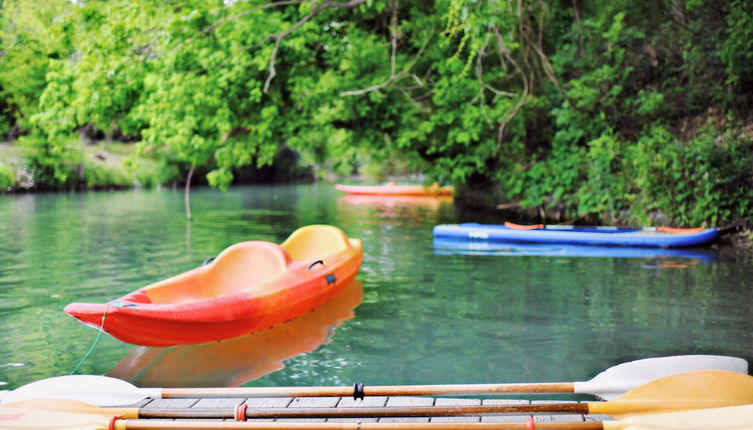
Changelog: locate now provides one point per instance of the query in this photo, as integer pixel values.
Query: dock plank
(368, 402)
(397, 401)
(310, 402)
(442, 401)
(555, 418)
(171, 403)
(502, 418)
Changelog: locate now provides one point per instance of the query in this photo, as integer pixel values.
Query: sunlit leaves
(556, 103)
(33, 33)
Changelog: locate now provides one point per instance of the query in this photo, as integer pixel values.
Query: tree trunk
(186, 192)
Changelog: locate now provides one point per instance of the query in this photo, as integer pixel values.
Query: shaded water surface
(420, 312)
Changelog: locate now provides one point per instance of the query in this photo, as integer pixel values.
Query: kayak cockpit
(238, 268)
(246, 266)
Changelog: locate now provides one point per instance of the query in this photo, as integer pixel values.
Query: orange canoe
(392, 189)
(250, 286)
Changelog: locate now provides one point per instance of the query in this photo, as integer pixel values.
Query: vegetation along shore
(617, 112)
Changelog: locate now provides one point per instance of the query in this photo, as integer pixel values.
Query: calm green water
(418, 313)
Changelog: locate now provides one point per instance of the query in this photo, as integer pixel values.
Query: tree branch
(393, 55)
(248, 12)
(237, 16)
(279, 36)
(394, 75)
(415, 102)
(480, 73)
(393, 36)
(536, 46)
(526, 87)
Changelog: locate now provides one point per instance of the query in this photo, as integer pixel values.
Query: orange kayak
(392, 189)
(250, 286)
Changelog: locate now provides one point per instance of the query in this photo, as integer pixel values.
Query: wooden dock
(349, 403)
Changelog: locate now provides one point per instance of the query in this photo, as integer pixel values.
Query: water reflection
(462, 247)
(234, 362)
(394, 205)
(428, 315)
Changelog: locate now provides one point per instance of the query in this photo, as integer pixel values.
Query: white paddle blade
(94, 389)
(624, 377)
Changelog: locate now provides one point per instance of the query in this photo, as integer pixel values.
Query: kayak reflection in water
(234, 362)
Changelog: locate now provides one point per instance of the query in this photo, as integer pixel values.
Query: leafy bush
(7, 177)
(736, 50)
(660, 178)
(704, 179)
(54, 165)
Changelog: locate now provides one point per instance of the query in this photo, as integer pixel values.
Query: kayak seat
(315, 241)
(244, 265)
(239, 267)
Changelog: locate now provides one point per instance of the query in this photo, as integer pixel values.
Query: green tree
(583, 110)
(33, 33)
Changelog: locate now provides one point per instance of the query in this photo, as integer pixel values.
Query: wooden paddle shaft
(202, 425)
(366, 390)
(363, 412)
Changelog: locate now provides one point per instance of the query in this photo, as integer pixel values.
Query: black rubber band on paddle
(358, 391)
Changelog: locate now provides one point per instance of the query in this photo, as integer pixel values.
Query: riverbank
(102, 165)
(114, 165)
(490, 205)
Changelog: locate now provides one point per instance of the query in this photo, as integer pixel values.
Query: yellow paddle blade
(17, 418)
(699, 389)
(729, 418)
(73, 406)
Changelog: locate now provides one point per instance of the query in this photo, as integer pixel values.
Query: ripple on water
(14, 365)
